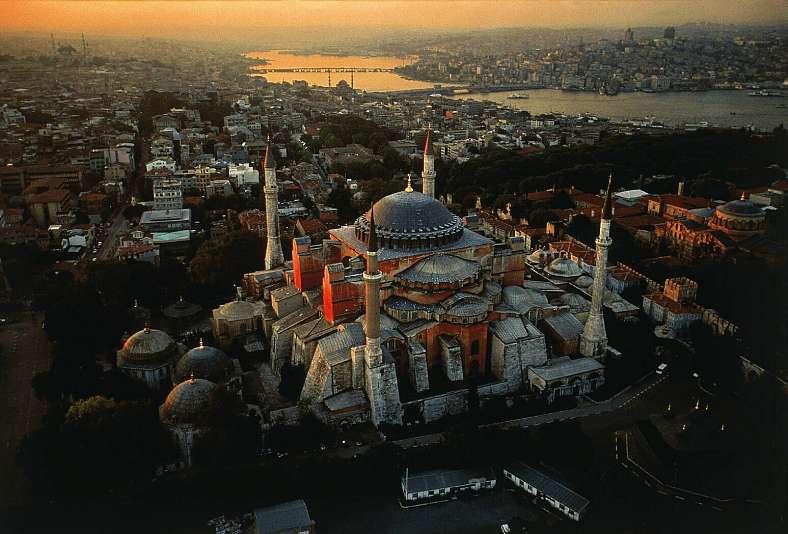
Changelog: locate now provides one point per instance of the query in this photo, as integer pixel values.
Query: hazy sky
(209, 18)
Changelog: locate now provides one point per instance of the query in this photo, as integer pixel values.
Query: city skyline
(200, 19)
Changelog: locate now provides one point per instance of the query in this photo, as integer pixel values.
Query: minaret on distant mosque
(380, 373)
(273, 247)
(428, 172)
(593, 340)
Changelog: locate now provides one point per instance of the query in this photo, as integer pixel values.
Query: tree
(342, 199)
(97, 446)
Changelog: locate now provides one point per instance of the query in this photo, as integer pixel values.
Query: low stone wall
(440, 406)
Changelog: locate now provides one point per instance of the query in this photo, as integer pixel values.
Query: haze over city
(407, 267)
(209, 19)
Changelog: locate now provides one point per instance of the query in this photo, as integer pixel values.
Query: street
(25, 350)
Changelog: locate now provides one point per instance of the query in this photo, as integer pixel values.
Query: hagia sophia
(411, 311)
(399, 314)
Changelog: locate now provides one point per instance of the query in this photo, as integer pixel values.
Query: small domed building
(739, 219)
(191, 409)
(149, 356)
(209, 363)
(236, 319)
(563, 269)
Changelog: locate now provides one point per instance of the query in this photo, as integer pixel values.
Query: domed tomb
(147, 348)
(409, 220)
(563, 268)
(205, 362)
(194, 402)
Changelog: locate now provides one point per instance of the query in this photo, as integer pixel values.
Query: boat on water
(518, 96)
(764, 92)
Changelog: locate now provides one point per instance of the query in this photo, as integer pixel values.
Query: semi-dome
(205, 362)
(522, 299)
(563, 267)
(465, 309)
(147, 347)
(440, 270)
(409, 220)
(195, 401)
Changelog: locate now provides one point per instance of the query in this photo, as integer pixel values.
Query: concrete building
(571, 504)
(171, 220)
(286, 518)
(243, 174)
(167, 194)
(442, 484)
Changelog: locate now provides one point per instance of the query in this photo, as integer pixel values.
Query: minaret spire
(428, 171)
(593, 341)
(273, 247)
(380, 373)
(372, 278)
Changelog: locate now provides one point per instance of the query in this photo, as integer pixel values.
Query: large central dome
(409, 220)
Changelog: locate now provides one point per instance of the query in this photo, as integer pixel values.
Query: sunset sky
(196, 18)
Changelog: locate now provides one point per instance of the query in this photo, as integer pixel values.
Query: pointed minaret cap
(372, 243)
(428, 148)
(607, 207)
(270, 161)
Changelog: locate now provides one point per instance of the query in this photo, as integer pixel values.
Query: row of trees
(712, 156)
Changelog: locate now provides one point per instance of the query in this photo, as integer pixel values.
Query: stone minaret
(428, 172)
(593, 341)
(380, 374)
(273, 246)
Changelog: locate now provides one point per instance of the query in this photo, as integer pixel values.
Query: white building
(159, 164)
(243, 174)
(563, 499)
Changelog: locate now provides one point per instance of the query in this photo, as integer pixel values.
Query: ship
(518, 96)
(764, 92)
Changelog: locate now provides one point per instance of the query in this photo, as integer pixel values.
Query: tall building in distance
(273, 247)
(670, 33)
(428, 171)
(593, 341)
(629, 35)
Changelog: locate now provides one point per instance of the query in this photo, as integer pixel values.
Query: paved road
(623, 399)
(25, 352)
(119, 225)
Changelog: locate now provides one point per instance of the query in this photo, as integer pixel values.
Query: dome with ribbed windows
(409, 220)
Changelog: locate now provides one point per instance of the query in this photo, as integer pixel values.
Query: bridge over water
(325, 69)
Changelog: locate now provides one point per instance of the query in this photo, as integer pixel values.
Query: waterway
(718, 108)
(363, 81)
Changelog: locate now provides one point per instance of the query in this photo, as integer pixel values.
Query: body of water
(363, 81)
(719, 108)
